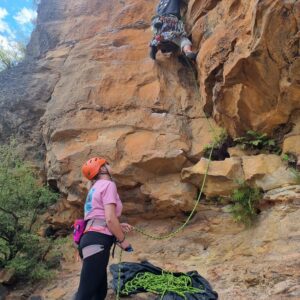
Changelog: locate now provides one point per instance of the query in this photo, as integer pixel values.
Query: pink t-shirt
(101, 193)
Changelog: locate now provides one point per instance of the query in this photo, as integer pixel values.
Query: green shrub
(245, 206)
(22, 199)
(41, 272)
(258, 141)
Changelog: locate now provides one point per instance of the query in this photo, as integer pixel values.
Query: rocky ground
(262, 262)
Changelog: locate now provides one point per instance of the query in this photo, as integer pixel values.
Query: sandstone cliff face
(249, 61)
(112, 100)
(88, 88)
(92, 90)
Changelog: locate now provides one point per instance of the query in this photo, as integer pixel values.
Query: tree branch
(10, 213)
(4, 238)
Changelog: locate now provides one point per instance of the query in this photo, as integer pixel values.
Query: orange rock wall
(248, 61)
(105, 96)
(113, 100)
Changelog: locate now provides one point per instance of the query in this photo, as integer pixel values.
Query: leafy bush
(258, 141)
(22, 198)
(245, 206)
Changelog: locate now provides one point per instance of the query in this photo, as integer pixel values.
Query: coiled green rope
(161, 284)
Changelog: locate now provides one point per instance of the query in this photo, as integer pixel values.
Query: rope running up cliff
(180, 228)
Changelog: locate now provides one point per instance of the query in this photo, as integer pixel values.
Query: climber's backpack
(78, 230)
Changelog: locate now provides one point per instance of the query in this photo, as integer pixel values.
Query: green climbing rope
(166, 283)
(119, 276)
(173, 233)
(161, 284)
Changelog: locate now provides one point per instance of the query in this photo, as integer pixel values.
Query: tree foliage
(12, 56)
(22, 198)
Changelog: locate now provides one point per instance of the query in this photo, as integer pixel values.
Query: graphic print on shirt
(88, 202)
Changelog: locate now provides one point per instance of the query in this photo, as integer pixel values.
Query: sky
(16, 22)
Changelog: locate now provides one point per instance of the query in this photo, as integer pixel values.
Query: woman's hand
(124, 245)
(126, 227)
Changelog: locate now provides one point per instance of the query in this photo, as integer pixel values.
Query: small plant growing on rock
(291, 161)
(258, 141)
(221, 142)
(296, 174)
(245, 203)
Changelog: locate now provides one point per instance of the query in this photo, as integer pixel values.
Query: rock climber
(102, 210)
(168, 28)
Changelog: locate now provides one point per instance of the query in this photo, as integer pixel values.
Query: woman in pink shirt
(102, 209)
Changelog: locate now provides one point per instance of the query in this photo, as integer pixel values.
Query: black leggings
(93, 277)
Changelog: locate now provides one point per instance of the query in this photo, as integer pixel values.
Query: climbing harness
(180, 228)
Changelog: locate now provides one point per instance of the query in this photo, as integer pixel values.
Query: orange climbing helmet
(91, 168)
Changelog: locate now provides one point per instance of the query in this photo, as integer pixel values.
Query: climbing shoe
(153, 51)
(191, 55)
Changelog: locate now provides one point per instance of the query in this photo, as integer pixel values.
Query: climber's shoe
(191, 55)
(153, 51)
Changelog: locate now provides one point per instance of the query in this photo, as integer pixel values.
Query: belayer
(168, 30)
(102, 210)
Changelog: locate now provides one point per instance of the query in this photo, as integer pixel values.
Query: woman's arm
(113, 224)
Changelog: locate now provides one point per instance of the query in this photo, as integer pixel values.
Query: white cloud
(7, 37)
(8, 44)
(25, 15)
(4, 27)
(4, 42)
